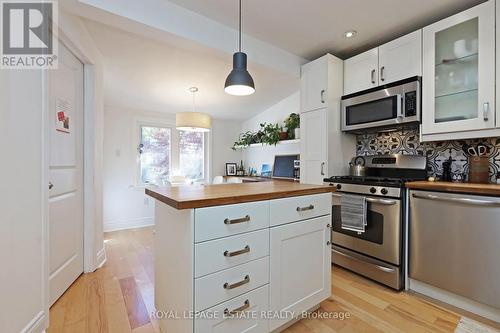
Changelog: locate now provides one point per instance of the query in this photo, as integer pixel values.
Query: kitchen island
(249, 257)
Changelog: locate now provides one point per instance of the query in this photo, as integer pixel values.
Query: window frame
(174, 149)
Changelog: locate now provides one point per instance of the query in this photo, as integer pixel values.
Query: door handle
(236, 221)
(51, 185)
(323, 96)
(323, 168)
(373, 200)
(486, 111)
(380, 268)
(373, 76)
(245, 280)
(381, 201)
(245, 306)
(246, 249)
(382, 69)
(467, 201)
(303, 209)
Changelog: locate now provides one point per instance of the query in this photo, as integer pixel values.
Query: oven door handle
(380, 268)
(373, 200)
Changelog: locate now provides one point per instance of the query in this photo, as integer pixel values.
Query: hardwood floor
(119, 298)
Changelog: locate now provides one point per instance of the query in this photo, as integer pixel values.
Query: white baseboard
(128, 224)
(101, 257)
(36, 325)
(480, 309)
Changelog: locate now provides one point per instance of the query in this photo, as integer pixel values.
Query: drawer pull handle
(236, 221)
(246, 249)
(245, 306)
(303, 209)
(237, 284)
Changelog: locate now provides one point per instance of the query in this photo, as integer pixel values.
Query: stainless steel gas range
(378, 251)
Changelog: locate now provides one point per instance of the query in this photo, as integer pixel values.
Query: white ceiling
(155, 75)
(310, 28)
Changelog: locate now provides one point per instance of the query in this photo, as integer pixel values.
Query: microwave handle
(399, 101)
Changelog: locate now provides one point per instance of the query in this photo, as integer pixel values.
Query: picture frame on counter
(231, 169)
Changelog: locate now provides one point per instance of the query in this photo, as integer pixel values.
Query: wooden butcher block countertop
(469, 188)
(197, 196)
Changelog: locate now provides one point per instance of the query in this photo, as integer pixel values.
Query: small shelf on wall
(284, 142)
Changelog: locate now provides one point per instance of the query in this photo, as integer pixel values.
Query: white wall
(125, 204)
(256, 156)
(224, 134)
(22, 250)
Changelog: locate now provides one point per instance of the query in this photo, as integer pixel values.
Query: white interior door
(65, 173)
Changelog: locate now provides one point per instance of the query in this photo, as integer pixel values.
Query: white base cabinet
(223, 268)
(300, 266)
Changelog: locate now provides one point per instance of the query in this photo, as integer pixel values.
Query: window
(192, 154)
(155, 150)
(165, 152)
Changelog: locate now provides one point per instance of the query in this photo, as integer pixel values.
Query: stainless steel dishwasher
(455, 244)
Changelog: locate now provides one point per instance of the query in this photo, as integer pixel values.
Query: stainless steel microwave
(391, 105)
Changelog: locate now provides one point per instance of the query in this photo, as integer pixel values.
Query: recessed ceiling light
(350, 34)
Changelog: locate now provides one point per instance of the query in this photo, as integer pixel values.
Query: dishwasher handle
(467, 201)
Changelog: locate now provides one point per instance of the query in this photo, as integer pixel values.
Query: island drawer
(293, 209)
(222, 221)
(219, 254)
(221, 286)
(239, 314)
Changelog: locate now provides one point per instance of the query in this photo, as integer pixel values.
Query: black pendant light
(239, 82)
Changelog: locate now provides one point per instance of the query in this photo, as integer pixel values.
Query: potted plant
(283, 134)
(271, 133)
(292, 124)
(245, 140)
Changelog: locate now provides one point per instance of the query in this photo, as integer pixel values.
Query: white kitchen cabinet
(324, 149)
(300, 252)
(497, 33)
(396, 60)
(314, 146)
(314, 85)
(256, 301)
(225, 277)
(401, 58)
(458, 97)
(361, 72)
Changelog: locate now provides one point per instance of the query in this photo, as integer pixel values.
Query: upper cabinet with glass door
(459, 74)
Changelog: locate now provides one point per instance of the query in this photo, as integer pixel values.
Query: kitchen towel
(353, 212)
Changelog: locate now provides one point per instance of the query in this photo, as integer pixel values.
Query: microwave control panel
(410, 104)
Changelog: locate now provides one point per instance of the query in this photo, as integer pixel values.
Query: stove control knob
(384, 191)
(339, 187)
(373, 190)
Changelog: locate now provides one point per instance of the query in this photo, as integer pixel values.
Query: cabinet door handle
(245, 280)
(303, 209)
(246, 249)
(236, 221)
(486, 111)
(382, 69)
(323, 96)
(373, 76)
(245, 306)
(323, 168)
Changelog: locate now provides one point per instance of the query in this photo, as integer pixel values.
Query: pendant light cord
(193, 102)
(239, 44)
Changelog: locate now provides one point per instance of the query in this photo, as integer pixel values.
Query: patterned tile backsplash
(406, 141)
